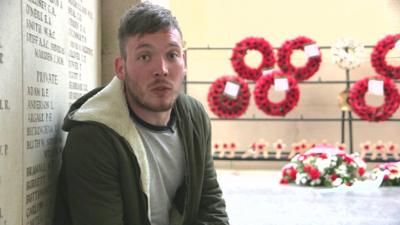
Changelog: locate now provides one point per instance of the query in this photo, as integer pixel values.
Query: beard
(142, 96)
(140, 101)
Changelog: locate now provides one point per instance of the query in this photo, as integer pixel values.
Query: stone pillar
(111, 12)
(49, 57)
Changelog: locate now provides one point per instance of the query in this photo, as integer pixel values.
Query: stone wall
(49, 57)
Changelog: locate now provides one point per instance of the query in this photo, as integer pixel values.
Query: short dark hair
(144, 18)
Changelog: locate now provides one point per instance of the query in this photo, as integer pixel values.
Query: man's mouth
(161, 90)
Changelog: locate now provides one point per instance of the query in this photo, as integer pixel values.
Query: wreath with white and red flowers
(284, 62)
(240, 51)
(276, 108)
(226, 106)
(372, 113)
(378, 57)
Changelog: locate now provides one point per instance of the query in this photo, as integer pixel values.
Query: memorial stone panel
(10, 113)
(55, 62)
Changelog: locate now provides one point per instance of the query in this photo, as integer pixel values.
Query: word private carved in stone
(48, 78)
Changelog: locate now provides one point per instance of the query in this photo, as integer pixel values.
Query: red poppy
(307, 168)
(386, 177)
(323, 156)
(284, 181)
(348, 159)
(361, 171)
(314, 173)
(333, 177)
(292, 173)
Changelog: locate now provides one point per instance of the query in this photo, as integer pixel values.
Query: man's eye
(144, 57)
(173, 55)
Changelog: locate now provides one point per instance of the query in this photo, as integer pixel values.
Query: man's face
(153, 70)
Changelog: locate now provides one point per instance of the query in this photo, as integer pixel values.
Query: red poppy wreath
(378, 57)
(226, 106)
(371, 113)
(240, 51)
(280, 108)
(284, 62)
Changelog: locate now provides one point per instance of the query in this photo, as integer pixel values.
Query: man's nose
(161, 67)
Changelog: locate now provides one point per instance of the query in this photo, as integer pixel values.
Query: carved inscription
(59, 39)
(39, 189)
(79, 51)
(3, 220)
(52, 62)
(4, 104)
(45, 36)
(46, 78)
(40, 31)
(4, 150)
(1, 53)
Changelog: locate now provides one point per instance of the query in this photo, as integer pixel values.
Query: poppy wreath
(286, 51)
(372, 113)
(378, 57)
(272, 108)
(240, 51)
(226, 106)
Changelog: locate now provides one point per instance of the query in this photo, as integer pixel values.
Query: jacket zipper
(138, 176)
(187, 170)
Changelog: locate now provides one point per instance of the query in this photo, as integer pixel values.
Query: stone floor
(255, 197)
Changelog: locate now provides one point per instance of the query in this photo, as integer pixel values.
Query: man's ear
(119, 67)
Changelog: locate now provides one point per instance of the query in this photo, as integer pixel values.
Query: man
(138, 150)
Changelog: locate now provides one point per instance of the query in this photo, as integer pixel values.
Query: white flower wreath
(347, 53)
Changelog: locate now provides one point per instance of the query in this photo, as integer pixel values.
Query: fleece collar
(109, 107)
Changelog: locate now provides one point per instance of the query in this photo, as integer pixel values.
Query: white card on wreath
(375, 86)
(281, 84)
(397, 45)
(311, 50)
(265, 72)
(231, 89)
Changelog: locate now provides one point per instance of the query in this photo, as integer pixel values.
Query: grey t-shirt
(166, 161)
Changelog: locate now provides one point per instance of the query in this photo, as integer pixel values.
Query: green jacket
(104, 176)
